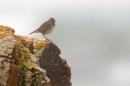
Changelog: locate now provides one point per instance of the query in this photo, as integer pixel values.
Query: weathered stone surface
(28, 61)
(57, 68)
(4, 68)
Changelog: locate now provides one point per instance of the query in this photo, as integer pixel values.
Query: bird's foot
(49, 40)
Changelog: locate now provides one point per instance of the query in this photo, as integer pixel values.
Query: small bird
(46, 28)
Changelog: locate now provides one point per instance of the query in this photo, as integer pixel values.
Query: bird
(46, 28)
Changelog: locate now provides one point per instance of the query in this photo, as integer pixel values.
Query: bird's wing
(45, 26)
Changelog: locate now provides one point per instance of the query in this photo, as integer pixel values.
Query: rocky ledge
(28, 61)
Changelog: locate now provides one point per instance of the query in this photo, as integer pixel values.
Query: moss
(25, 56)
(25, 63)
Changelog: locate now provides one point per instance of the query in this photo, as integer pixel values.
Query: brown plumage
(46, 28)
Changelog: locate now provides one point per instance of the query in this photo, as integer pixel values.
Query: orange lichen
(2, 34)
(32, 65)
(41, 44)
(2, 47)
(32, 39)
(5, 31)
(12, 80)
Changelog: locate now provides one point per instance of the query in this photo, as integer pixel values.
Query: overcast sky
(93, 35)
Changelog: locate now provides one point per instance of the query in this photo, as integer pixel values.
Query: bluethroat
(46, 28)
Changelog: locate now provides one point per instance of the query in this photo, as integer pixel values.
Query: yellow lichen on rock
(21, 56)
(29, 62)
(5, 31)
(40, 44)
(2, 48)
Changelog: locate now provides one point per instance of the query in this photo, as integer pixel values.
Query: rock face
(28, 61)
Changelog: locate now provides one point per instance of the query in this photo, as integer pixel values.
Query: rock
(28, 61)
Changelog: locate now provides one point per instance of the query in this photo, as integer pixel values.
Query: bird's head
(52, 21)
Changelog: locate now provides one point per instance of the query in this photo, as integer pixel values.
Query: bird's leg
(45, 37)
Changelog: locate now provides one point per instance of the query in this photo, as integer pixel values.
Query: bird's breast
(49, 30)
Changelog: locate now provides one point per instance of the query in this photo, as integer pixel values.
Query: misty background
(93, 35)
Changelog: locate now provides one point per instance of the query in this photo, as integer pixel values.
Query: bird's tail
(31, 32)
(36, 31)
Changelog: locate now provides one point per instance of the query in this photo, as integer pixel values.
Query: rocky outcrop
(28, 61)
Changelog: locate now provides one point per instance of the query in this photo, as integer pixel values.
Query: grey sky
(93, 35)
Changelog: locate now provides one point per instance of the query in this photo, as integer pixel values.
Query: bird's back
(46, 28)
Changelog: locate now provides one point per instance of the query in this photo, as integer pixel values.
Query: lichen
(5, 31)
(2, 48)
(41, 44)
(24, 65)
(29, 63)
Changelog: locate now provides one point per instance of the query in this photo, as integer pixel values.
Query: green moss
(25, 56)
(24, 64)
(24, 59)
